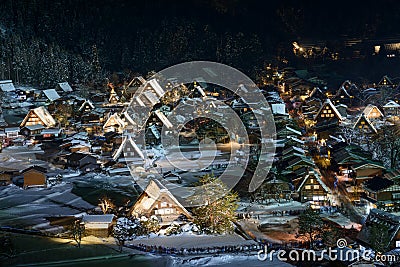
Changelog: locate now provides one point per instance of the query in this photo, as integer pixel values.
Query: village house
(364, 125)
(32, 130)
(114, 98)
(391, 108)
(311, 188)
(64, 88)
(342, 95)
(288, 131)
(372, 112)
(327, 119)
(86, 107)
(51, 133)
(378, 217)
(128, 151)
(365, 170)
(130, 88)
(12, 132)
(381, 190)
(34, 176)
(78, 160)
(5, 177)
(385, 82)
(98, 225)
(157, 200)
(38, 115)
(114, 123)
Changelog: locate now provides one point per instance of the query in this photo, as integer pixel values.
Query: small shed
(98, 225)
(34, 176)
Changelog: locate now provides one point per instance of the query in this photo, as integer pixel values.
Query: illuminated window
(308, 187)
(316, 186)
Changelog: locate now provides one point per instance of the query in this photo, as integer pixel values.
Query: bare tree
(106, 205)
(77, 231)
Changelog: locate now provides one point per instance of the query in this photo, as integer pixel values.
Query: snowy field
(29, 208)
(193, 241)
(226, 260)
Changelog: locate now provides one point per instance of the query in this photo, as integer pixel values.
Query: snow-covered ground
(29, 208)
(226, 260)
(192, 241)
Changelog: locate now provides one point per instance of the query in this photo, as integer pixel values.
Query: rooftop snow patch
(7, 86)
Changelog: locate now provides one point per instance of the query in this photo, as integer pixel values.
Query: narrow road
(341, 195)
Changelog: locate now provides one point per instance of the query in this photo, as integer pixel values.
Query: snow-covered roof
(163, 119)
(391, 104)
(65, 87)
(155, 86)
(84, 104)
(7, 86)
(317, 177)
(11, 129)
(385, 81)
(43, 114)
(51, 131)
(127, 140)
(278, 109)
(103, 218)
(140, 79)
(155, 191)
(329, 103)
(51, 94)
(363, 116)
(34, 127)
(368, 109)
(114, 118)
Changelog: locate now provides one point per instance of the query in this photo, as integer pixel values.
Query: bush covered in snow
(173, 229)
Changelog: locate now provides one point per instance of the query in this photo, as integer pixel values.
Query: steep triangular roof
(127, 141)
(331, 106)
(313, 174)
(137, 80)
(113, 96)
(369, 108)
(86, 102)
(154, 191)
(114, 118)
(362, 118)
(43, 114)
(385, 81)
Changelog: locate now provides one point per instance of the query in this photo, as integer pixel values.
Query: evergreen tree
(379, 237)
(122, 231)
(310, 225)
(218, 212)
